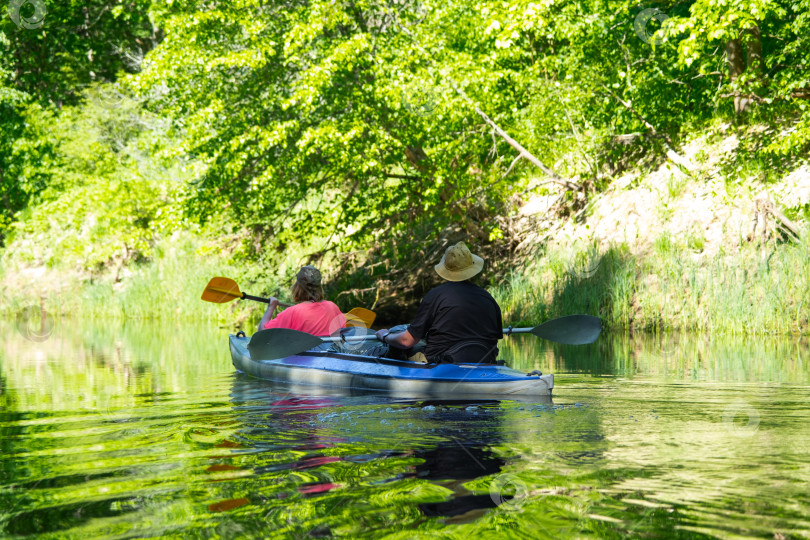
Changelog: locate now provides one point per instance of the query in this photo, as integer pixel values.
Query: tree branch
(513, 143)
(673, 156)
(516, 145)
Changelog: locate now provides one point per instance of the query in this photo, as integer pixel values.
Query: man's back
(457, 312)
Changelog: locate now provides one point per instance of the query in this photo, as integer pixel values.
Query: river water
(146, 431)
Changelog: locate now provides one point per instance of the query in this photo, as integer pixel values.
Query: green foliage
(14, 193)
(105, 199)
(346, 132)
(711, 23)
(77, 44)
(15, 188)
(305, 119)
(781, 85)
(48, 64)
(342, 120)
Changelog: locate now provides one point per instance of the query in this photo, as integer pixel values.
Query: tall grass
(167, 287)
(752, 291)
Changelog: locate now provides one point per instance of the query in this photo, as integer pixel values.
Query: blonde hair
(303, 292)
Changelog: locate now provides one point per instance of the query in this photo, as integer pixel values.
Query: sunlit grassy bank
(167, 287)
(752, 291)
(748, 292)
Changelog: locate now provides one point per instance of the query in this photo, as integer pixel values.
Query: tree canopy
(391, 122)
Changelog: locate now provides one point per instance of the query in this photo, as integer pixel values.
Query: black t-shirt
(454, 312)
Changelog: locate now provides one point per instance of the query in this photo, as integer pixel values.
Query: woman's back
(311, 314)
(318, 318)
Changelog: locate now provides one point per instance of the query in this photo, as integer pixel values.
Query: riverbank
(702, 249)
(668, 289)
(717, 245)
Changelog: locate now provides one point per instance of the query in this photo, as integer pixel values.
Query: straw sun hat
(459, 264)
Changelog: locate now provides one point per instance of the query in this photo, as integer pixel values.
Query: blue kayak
(355, 371)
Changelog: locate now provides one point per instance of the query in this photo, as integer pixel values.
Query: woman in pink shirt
(311, 314)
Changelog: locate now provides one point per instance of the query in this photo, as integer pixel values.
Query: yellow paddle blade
(220, 290)
(360, 317)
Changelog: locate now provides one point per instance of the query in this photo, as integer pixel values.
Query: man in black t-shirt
(460, 321)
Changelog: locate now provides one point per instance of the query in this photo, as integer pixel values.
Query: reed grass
(755, 290)
(167, 287)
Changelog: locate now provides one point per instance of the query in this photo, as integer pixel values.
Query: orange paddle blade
(360, 317)
(220, 290)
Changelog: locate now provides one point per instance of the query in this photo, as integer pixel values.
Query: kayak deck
(343, 370)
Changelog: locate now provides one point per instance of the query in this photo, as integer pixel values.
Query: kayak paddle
(360, 317)
(568, 330)
(221, 290)
(282, 342)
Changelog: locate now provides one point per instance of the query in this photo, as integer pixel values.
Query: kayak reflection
(447, 443)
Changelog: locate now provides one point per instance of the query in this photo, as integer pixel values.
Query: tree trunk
(753, 51)
(753, 57)
(736, 66)
(416, 155)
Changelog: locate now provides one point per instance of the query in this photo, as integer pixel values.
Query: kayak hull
(340, 370)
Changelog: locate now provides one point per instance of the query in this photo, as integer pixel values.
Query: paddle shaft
(370, 337)
(282, 342)
(260, 299)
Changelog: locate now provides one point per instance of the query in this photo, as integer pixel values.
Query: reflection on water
(145, 431)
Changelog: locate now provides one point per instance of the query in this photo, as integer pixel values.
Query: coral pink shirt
(318, 318)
